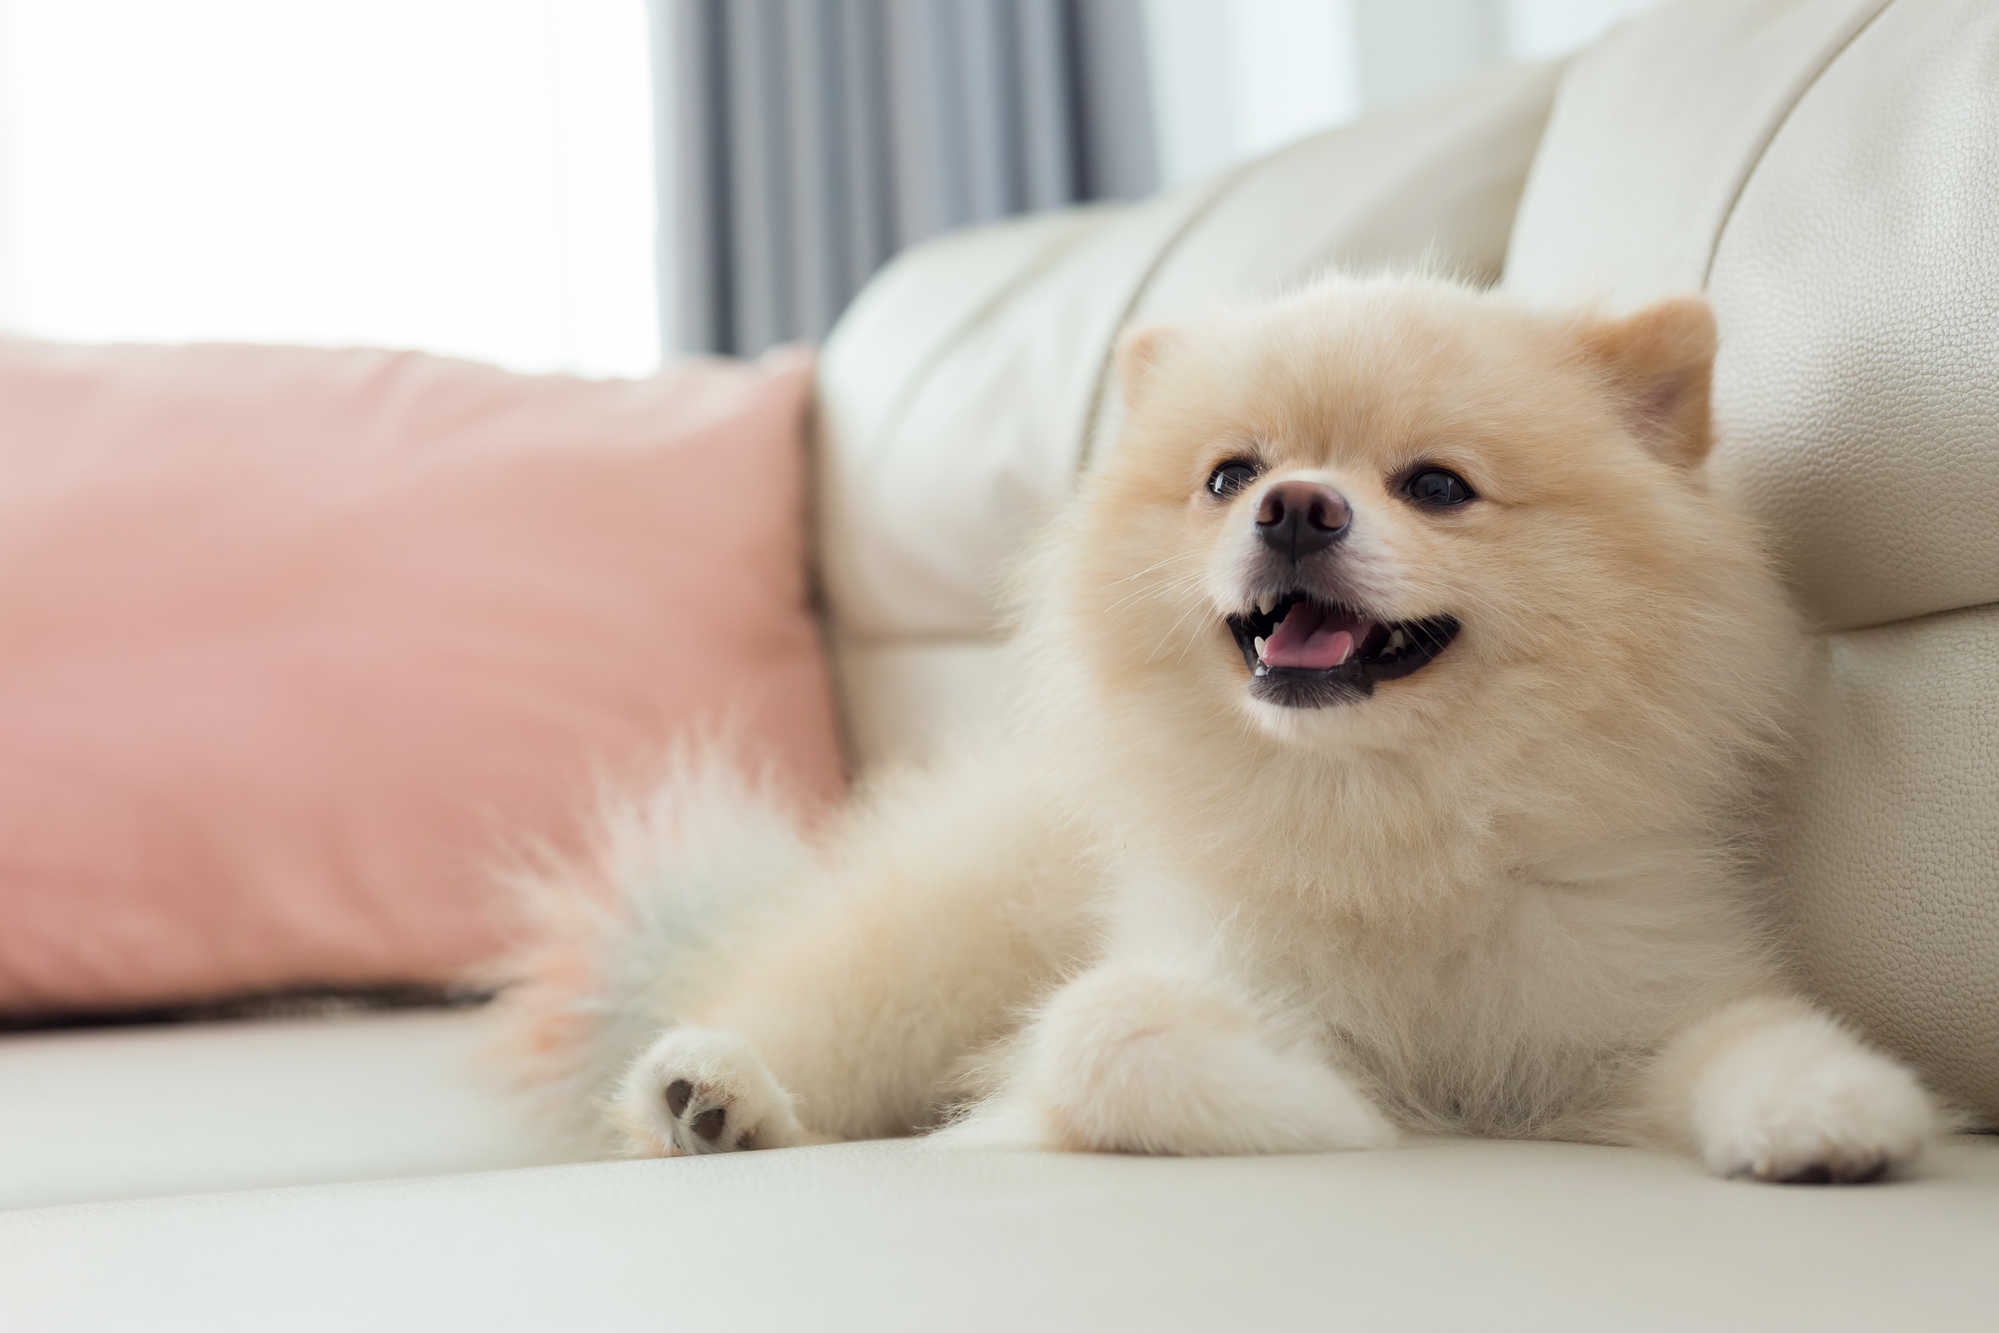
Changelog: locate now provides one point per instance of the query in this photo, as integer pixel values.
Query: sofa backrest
(1826, 169)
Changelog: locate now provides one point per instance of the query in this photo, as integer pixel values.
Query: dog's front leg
(1775, 1090)
(856, 1015)
(1150, 1059)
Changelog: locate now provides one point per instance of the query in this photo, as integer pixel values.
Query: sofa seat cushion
(883, 1236)
(117, 1113)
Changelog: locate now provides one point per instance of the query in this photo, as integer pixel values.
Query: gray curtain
(803, 142)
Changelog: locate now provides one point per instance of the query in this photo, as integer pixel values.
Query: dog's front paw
(1129, 1060)
(1802, 1102)
(696, 1091)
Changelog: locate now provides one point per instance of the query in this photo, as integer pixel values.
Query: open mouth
(1304, 653)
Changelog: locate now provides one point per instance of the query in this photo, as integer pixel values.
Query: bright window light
(1235, 78)
(1537, 29)
(472, 177)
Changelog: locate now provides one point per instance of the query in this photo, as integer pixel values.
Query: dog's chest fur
(1482, 997)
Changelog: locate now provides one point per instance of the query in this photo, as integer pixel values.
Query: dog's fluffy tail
(618, 939)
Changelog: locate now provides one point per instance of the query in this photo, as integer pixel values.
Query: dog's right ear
(1661, 361)
(1139, 352)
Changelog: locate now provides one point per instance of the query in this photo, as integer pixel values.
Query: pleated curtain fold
(804, 142)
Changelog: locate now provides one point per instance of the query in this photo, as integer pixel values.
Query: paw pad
(700, 1111)
(709, 1123)
(695, 1092)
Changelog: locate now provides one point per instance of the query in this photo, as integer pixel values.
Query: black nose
(1297, 518)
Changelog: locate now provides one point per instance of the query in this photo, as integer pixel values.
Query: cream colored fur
(1504, 895)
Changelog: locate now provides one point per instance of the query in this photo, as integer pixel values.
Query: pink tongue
(1305, 640)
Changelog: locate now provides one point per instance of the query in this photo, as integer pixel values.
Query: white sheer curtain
(463, 176)
(477, 176)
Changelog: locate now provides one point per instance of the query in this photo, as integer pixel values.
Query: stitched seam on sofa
(1419, 182)
(1777, 124)
(1829, 632)
(891, 420)
(1223, 185)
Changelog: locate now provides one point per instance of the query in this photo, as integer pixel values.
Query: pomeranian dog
(1394, 698)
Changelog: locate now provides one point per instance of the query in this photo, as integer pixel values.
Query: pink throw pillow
(295, 645)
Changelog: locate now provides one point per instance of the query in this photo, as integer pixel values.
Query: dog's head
(1384, 508)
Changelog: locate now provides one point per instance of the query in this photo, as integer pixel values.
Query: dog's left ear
(1662, 360)
(1139, 351)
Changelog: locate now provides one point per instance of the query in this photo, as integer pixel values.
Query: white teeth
(1259, 650)
(1345, 655)
(1264, 604)
(1396, 642)
(1262, 670)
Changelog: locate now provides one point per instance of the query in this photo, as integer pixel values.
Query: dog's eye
(1434, 486)
(1231, 477)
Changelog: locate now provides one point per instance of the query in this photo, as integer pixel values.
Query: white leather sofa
(1829, 171)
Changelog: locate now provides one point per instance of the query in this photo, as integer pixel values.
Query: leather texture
(1857, 282)
(1826, 169)
(1654, 132)
(1889, 846)
(127, 1113)
(958, 396)
(1535, 1237)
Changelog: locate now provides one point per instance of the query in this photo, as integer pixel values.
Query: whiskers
(1173, 590)
(1171, 559)
(1175, 629)
(1178, 583)
(1183, 587)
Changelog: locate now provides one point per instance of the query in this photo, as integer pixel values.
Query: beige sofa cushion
(959, 394)
(1654, 132)
(1829, 171)
(887, 1236)
(127, 1113)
